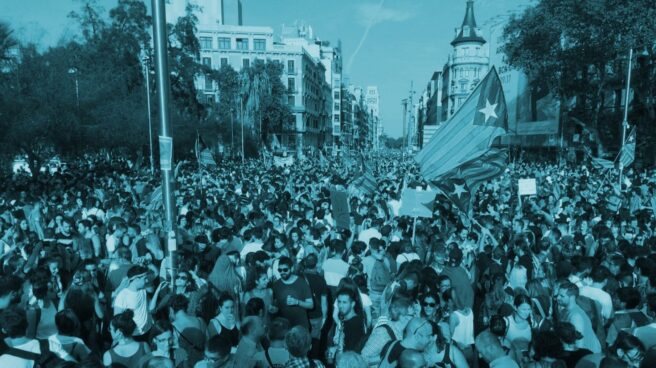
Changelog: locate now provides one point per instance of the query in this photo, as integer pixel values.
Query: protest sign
(417, 203)
(341, 212)
(527, 187)
(283, 161)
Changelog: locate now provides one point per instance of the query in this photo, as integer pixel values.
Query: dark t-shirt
(353, 333)
(571, 358)
(300, 290)
(319, 288)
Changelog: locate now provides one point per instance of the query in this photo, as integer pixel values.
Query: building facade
(304, 74)
(210, 13)
(467, 64)
(372, 101)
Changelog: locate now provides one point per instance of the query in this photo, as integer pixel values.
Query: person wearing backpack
(418, 335)
(387, 330)
(19, 351)
(379, 273)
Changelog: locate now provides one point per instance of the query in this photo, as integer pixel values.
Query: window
(246, 63)
(242, 44)
(224, 43)
(259, 44)
(291, 100)
(224, 62)
(336, 95)
(336, 107)
(291, 85)
(290, 66)
(207, 61)
(210, 98)
(208, 83)
(336, 118)
(205, 43)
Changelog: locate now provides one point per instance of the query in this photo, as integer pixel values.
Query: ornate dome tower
(469, 62)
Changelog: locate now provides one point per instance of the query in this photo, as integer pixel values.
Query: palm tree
(255, 87)
(7, 42)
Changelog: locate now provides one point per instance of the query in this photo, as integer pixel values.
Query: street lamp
(147, 71)
(73, 71)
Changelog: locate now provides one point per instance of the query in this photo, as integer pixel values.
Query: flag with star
(470, 131)
(477, 171)
(628, 150)
(364, 181)
(457, 192)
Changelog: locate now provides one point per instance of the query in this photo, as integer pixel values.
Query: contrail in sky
(372, 21)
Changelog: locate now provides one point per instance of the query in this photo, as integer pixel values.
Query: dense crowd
(265, 277)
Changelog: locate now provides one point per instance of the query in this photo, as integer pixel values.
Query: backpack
(43, 360)
(380, 276)
(366, 336)
(385, 354)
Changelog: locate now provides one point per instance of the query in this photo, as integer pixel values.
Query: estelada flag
(470, 131)
(628, 150)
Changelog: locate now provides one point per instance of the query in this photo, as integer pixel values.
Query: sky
(385, 43)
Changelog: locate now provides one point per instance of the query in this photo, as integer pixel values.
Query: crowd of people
(265, 277)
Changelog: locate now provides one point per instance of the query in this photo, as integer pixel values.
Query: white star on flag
(488, 110)
(458, 189)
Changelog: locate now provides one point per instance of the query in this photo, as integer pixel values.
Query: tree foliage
(577, 50)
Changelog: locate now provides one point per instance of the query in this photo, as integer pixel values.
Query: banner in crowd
(283, 161)
(527, 187)
(417, 203)
(470, 131)
(341, 213)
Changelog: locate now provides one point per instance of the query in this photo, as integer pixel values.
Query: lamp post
(73, 71)
(146, 62)
(165, 139)
(241, 118)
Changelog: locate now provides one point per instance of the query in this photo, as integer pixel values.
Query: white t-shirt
(406, 257)
(334, 270)
(138, 302)
(604, 299)
(250, 248)
(31, 346)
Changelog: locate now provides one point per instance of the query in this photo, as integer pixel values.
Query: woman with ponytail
(125, 352)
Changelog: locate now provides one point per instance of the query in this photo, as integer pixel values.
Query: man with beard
(348, 331)
(572, 313)
(292, 295)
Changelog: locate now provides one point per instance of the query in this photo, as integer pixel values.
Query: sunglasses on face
(429, 304)
(283, 270)
(183, 277)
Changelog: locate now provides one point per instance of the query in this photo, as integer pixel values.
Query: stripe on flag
(470, 131)
(628, 149)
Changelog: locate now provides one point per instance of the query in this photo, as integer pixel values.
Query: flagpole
(625, 122)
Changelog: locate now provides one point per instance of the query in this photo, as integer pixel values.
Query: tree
(184, 53)
(577, 49)
(228, 85)
(7, 42)
(255, 87)
(276, 115)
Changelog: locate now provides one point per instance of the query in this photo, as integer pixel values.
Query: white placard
(527, 187)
